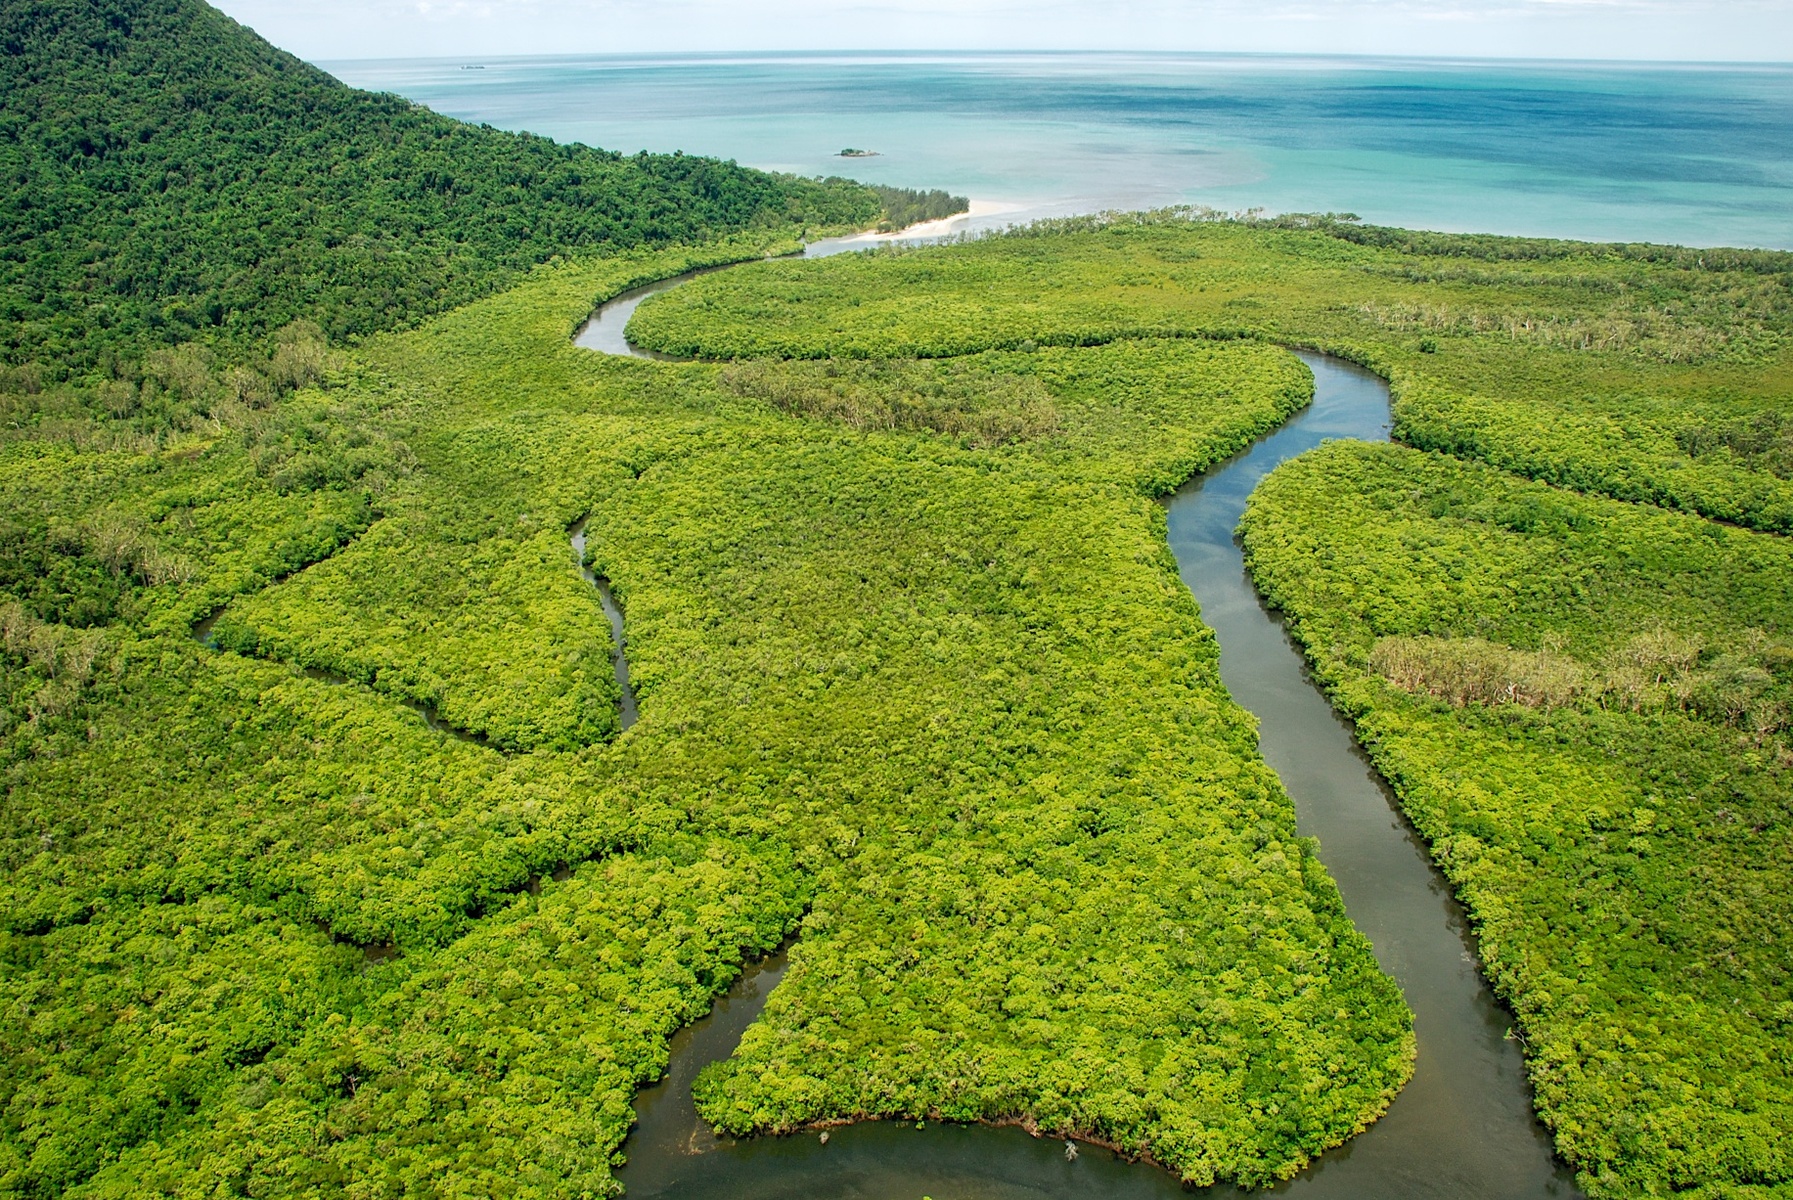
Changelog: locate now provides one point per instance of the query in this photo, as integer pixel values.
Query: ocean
(1692, 154)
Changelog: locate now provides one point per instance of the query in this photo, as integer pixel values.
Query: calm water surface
(1692, 154)
(1463, 1126)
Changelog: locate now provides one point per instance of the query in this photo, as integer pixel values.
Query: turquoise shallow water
(1699, 155)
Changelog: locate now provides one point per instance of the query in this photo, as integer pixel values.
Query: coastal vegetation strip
(1641, 372)
(900, 207)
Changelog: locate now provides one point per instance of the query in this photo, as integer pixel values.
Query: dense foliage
(965, 398)
(903, 207)
(936, 700)
(1582, 703)
(171, 178)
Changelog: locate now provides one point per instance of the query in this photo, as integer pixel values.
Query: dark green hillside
(171, 177)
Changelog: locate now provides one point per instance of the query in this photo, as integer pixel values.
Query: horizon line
(1785, 64)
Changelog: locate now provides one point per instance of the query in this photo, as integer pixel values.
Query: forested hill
(170, 177)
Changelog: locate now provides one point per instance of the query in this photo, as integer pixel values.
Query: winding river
(1462, 1128)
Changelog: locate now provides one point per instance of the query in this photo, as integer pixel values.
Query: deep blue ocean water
(1699, 155)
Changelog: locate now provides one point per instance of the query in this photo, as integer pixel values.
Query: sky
(1671, 30)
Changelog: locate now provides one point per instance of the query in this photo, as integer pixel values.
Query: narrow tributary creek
(1462, 1128)
(619, 646)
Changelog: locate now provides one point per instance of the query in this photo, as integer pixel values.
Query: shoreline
(940, 227)
(1031, 1126)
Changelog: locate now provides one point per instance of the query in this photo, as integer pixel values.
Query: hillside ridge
(172, 177)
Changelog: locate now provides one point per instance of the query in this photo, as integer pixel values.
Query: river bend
(1463, 1128)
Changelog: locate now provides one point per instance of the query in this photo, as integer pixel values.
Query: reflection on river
(1464, 1126)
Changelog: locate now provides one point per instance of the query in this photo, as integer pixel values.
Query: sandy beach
(925, 231)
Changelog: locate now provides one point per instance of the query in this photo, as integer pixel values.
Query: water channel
(619, 646)
(1462, 1128)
